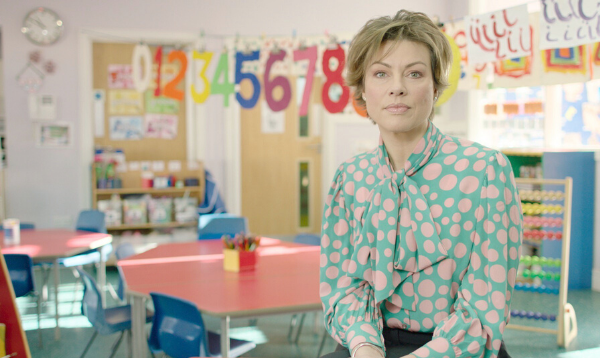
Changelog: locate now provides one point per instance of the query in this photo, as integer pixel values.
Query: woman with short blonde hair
(421, 236)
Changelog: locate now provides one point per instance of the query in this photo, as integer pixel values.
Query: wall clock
(42, 26)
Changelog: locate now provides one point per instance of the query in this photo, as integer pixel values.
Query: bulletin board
(130, 118)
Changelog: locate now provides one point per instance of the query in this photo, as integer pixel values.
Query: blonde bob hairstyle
(405, 26)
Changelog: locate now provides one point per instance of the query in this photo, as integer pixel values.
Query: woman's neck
(401, 145)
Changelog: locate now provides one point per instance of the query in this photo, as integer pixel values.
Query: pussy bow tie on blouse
(399, 237)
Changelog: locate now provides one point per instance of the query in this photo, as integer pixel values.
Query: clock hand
(41, 24)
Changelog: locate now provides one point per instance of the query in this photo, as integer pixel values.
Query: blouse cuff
(363, 332)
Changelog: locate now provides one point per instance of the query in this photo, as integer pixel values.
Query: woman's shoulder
(359, 162)
(469, 149)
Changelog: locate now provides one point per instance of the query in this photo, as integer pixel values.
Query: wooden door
(281, 172)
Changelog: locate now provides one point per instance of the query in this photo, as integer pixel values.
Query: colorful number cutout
(141, 53)
(240, 58)
(334, 76)
(281, 81)
(171, 90)
(224, 87)
(158, 60)
(206, 57)
(310, 54)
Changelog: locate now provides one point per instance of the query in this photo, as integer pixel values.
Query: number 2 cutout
(171, 90)
(334, 77)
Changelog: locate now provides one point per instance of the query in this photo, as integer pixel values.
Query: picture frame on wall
(53, 135)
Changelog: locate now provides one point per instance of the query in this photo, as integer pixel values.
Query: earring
(435, 98)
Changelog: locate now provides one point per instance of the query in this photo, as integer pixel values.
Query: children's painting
(126, 128)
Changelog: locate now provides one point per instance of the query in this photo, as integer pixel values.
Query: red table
(51, 245)
(286, 280)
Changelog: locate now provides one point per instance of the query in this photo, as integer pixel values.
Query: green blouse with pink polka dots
(432, 247)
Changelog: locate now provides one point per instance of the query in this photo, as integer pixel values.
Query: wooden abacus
(565, 318)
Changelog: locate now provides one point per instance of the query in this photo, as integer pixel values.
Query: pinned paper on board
(158, 166)
(161, 126)
(134, 166)
(145, 165)
(126, 128)
(271, 122)
(125, 102)
(98, 100)
(174, 166)
(120, 77)
(161, 104)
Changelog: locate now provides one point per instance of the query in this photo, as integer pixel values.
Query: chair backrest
(20, 270)
(91, 304)
(123, 251)
(22, 226)
(308, 239)
(177, 327)
(91, 220)
(213, 226)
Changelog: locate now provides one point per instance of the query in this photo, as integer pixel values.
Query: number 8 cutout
(334, 76)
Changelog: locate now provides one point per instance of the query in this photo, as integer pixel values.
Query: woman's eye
(415, 74)
(379, 74)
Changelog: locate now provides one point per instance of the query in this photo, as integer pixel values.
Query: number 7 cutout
(310, 54)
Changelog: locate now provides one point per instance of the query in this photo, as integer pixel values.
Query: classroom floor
(270, 333)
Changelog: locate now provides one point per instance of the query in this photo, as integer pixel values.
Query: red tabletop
(286, 278)
(54, 243)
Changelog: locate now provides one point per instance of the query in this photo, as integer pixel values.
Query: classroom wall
(47, 186)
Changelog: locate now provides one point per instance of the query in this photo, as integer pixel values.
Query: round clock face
(42, 26)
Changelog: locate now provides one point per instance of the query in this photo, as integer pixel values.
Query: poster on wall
(53, 135)
(125, 102)
(271, 122)
(581, 114)
(162, 105)
(160, 126)
(126, 127)
(119, 77)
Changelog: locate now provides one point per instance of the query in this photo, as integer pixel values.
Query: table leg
(101, 276)
(138, 320)
(55, 268)
(225, 336)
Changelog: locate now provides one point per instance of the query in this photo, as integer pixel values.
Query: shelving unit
(16, 341)
(541, 199)
(132, 184)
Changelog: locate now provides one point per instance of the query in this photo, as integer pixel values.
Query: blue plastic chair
(20, 270)
(213, 226)
(121, 252)
(92, 221)
(105, 321)
(212, 203)
(22, 226)
(178, 331)
(313, 240)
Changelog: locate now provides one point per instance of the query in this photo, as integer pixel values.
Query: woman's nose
(397, 88)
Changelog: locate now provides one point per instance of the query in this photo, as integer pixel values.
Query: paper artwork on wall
(472, 76)
(160, 126)
(565, 65)
(568, 23)
(161, 104)
(120, 77)
(498, 35)
(126, 128)
(98, 100)
(53, 135)
(125, 102)
(271, 122)
(168, 71)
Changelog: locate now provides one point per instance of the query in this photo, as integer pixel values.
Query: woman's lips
(397, 108)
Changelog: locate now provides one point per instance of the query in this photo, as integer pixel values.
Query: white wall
(48, 186)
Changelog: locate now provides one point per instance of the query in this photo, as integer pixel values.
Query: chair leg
(89, 344)
(75, 287)
(292, 326)
(322, 343)
(129, 343)
(39, 314)
(299, 328)
(116, 345)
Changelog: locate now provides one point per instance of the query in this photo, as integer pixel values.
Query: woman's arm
(351, 313)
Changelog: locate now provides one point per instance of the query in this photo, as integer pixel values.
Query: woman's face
(399, 88)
